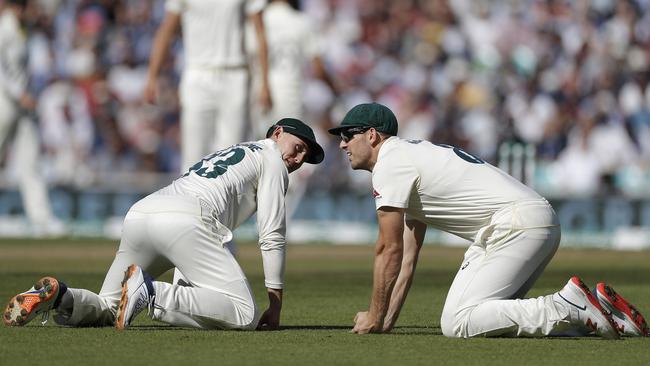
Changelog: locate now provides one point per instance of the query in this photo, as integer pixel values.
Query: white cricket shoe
(137, 294)
(628, 320)
(584, 309)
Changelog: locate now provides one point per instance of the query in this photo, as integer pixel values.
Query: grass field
(325, 287)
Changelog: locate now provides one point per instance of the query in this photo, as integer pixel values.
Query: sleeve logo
(375, 194)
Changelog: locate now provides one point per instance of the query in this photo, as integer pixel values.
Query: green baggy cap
(374, 115)
(299, 129)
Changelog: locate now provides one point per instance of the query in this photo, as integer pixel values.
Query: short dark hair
(384, 135)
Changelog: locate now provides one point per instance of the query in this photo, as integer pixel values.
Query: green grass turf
(325, 287)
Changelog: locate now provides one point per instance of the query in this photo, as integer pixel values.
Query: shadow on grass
(159, 327)
(401, 330)
(315, 327)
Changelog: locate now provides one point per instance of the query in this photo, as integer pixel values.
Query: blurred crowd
(567, 78)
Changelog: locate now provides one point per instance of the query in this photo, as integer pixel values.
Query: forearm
(264, 64)
(322, 74)
(388, 258)
(273, 261)
(155, 59)
(263, 50)
(413, 238)
(387, 267)
(161, 42)
(398, 296)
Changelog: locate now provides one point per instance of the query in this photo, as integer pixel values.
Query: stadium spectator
(475, 74)
(17, 123)
(214, 85)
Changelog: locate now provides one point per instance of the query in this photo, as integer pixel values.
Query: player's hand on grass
(363, 324)
(270, 320)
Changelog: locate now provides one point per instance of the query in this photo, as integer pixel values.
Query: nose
(300, 158)
(343, 145)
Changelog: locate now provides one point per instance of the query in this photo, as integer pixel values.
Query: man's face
(357, 147)
(294, 150)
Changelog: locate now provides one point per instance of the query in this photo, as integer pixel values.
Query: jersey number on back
(216, 164)
(463, 154)
(460, 152)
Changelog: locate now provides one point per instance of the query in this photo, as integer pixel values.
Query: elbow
(274, 241)
(390, 248)
(270, 247)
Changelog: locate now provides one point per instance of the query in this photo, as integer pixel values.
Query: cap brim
(337, 130)
(316, 152)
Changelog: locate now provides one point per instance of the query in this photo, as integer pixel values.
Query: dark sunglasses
(347, 135)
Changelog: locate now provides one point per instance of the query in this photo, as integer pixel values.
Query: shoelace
(46, 316)
(151, 305)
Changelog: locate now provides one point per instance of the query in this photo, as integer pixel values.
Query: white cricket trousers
(498, 269)
(214, 110)
(162, 232)
(26, 148)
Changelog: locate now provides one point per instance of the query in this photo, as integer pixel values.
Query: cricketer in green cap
(367, 115)
(299, 129)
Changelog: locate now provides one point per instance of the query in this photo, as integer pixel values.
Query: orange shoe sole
(120, 322)
(23, 307)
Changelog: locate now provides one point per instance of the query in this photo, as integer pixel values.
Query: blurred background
(557, 93)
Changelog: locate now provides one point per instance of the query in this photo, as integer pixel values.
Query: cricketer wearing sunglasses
(513, 231)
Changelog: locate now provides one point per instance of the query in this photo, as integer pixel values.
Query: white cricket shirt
(213, 30)
(443, 186)
(237, 182)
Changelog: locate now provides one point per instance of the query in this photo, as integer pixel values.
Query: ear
(374, 137)
(276, 134)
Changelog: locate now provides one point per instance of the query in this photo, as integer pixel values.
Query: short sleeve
(254, 6)
(393, 180)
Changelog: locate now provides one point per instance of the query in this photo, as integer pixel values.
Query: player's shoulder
(398, 150)
(271, 165)
(415, 148)
(270, 153)
(395, 155)
(253, 146)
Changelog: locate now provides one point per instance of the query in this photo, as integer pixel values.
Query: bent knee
(250, 321)
(447, 327)
(248, 317)
(454, 324)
